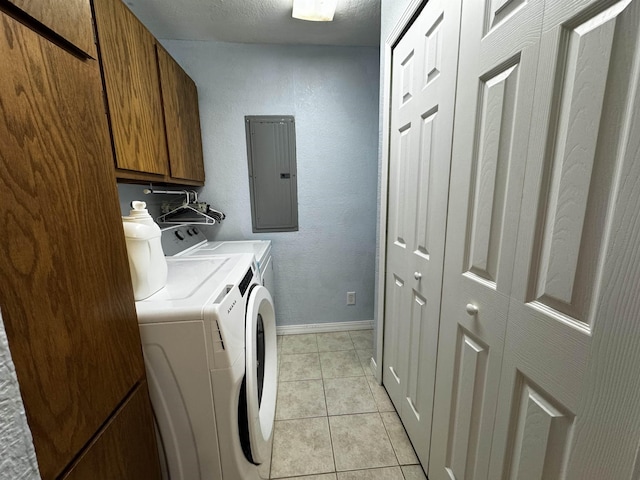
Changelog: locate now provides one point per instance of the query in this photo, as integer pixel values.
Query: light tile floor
(333, 420)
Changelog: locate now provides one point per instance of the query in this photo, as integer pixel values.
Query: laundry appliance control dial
(178, 238)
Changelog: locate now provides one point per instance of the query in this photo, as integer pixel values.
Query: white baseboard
(374, 369)
(324, 327)
(374, 365)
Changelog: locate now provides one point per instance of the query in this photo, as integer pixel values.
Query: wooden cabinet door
(70, 19)
(126, 448)
(127, 52)
(182, 119)
(66, 294)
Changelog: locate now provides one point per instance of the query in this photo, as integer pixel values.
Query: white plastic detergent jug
(146, 259)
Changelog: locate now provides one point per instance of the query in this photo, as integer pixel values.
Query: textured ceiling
(357, 22)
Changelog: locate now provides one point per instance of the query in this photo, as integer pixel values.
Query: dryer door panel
(261, 371)
(175, 357)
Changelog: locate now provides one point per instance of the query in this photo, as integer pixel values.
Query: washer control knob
(180, 235)
(195, 231)
(472, 309)
(417, 275)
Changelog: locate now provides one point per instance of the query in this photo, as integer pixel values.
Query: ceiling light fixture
(314, 10)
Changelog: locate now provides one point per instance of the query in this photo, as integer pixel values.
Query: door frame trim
(405, 21)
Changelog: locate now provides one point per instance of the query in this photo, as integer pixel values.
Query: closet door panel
(423, 92)
(565, 377)
(402, 151)
(498, 57)
(396, 337)
(403, 145)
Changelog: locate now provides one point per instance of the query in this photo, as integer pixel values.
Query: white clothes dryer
(188, 240)
(209, 345)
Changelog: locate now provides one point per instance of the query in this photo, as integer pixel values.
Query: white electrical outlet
(351, 298)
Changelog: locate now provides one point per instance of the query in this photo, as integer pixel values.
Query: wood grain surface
(129, 176)
(66, 293)
(72, 22)
(182, 119)
(126, 448)
(127, 52)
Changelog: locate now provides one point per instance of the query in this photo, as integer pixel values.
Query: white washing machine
(261, 249)
(209, 345)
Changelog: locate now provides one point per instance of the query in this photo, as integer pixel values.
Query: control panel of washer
(179, 238)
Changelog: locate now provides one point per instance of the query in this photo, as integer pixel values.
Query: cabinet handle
(417, 275)
(472, 309)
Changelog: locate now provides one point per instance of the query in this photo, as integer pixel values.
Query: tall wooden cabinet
(66, 293)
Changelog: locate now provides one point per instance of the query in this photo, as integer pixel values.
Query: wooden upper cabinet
(152, 102)
(70, 19)
(182, 119)
(66, 295)
(128, 56)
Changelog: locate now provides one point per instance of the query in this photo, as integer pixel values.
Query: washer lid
(260, 248)
(192, 283)
(261, 371)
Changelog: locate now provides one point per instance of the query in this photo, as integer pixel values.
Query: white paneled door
(498, 59)
(422, 107)
(531, 308)
(538, 351)
(568, 402)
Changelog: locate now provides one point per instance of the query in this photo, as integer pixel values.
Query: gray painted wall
(17, 456)
(333, 94)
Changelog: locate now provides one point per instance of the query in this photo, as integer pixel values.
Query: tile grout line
(333, 453)
(393, 446)
(390, 442)
(323, 379)
(383, 422)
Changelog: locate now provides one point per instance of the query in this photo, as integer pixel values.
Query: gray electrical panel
(271, 153)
